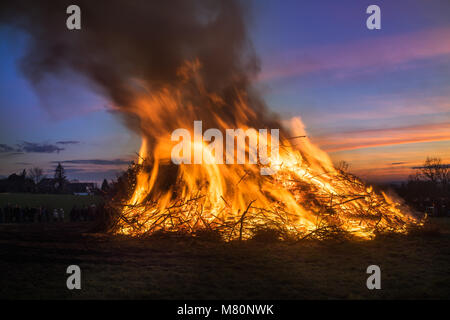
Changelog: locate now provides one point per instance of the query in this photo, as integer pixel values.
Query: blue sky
(378, 99)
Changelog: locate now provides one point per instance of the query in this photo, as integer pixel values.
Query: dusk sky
(378, 99)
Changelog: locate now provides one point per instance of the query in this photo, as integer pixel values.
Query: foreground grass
(34, 259)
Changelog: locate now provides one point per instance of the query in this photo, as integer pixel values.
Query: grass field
(34, 259)
(65, 201)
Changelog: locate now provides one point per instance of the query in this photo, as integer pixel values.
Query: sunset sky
(378, 99)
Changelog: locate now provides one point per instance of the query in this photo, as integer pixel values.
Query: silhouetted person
(61, 215)
(46, 214)
(92, 212)
(7, 213)
(33, 214)
(25, 214)
(39, 214)
(84, 213)
(10, 214)
(73, 213)
(55, 215)
(16, 214)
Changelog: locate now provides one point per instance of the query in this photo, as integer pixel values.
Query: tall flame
(305, 195)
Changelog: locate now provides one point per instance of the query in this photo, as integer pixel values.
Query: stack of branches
(355, 210)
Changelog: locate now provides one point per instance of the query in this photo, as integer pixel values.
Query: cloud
(31, 147)
(101, 162)
(66, 142)
(385, 106)
(363, 56)
(5, 148)
(367, 138)
(10, 154)
(444, 165)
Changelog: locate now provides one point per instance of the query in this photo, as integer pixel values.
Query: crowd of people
(42, 214)
(83, 213)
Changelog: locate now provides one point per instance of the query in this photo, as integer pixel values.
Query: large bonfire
(306, 196)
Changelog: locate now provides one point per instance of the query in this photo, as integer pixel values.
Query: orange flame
(304, 195)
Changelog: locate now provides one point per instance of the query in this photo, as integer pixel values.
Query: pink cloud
(364, 56)
(385, 107)
(361, 139)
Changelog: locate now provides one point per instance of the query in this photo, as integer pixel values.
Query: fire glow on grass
(306, 196)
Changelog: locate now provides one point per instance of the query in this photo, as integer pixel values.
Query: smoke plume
(129, 48)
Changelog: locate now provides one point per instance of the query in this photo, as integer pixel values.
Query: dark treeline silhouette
(34, 181)
(17, 183)
(428, 189)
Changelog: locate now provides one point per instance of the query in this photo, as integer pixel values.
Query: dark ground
(34, 258)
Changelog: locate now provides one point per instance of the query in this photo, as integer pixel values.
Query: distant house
(81, 188)
(16, 183)
(49, 185)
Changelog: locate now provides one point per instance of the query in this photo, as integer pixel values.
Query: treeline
(35, 181)
(428, 189)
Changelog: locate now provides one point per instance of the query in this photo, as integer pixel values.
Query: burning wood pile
(296, 202)
(306, 196)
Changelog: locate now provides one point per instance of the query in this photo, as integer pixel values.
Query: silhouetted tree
(342, 166)
(36, 174)
(428, 187)
(123, 187)
(60, 177)
(105, 186)
(18, 183)
(435, 171)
